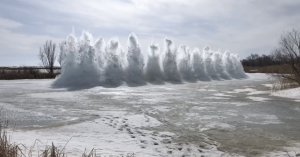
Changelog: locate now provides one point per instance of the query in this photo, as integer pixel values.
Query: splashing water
(153, 72)
(134, 70)
(185, 65)
(169, 63)
(88, 62)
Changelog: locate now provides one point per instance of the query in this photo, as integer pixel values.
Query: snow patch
(218, 126)
(293, 93)
(259, 99)
(268, 85)
(216, 98)
(55, 95)
(223, 95)
(244, 90)
(162, 108)
(262, 119)
(289, 151)
(142, 121)
(258, 92)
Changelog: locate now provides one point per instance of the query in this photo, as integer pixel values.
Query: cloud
(10, 24)
(244, 27)
(19, 48)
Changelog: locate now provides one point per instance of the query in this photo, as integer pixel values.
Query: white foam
(88, 63)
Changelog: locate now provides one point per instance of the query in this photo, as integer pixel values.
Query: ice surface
(289, 151)
(114, 134)
(262, 119)
(217, 125)
(88, 63)
(191, 119)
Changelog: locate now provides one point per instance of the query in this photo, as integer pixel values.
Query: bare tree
(62, 54)
(47, 56)
(289, 52)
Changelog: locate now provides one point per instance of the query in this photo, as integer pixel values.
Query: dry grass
(53, 151)
(281, 83)
(274, 69)
(24, 73)
(8, 149)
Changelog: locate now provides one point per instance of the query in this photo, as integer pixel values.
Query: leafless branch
(47, 55)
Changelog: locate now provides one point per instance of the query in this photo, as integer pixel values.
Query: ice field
(237, 117)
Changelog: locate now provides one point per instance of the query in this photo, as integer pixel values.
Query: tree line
(286, 54)
(256, 60)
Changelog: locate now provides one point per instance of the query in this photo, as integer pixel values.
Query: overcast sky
(241, 26)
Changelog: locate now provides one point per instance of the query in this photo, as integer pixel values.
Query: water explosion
(88, 62)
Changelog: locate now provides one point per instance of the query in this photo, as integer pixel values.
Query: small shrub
(281, 83)
(53, 151)
(7, 149)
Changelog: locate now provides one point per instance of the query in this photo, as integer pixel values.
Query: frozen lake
(233, 118)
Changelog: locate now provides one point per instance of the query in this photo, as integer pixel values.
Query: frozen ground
(218, 118)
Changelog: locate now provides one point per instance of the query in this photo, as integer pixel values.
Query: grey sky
(243, 27)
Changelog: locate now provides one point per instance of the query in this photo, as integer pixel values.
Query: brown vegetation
(270, 69)
(289, 51)
(25, 73)
(282, 83)
(7, 149)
